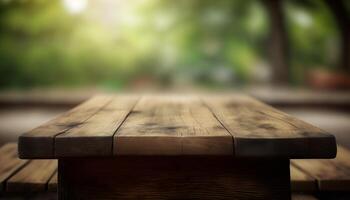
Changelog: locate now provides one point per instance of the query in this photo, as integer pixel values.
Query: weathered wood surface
(172, 125)
(260, 130)
(173, 178)
(234, 125)
(308, 176)
(94, 137)
(52, 185)
(39, 142)
(33, 177)
(331, 175)
(300, 181)
(9, 162)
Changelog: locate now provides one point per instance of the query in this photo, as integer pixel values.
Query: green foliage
(116, 43)
(313, 36)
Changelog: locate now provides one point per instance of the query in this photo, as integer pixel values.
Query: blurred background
(292, 54)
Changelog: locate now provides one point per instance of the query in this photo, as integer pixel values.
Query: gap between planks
(95, 135)
(253, 128)
(40, 142)
(259, 130)
(172, 125)
(10, 163)
(331, 175)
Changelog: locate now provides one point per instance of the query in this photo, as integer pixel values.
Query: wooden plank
(52, 185)
(33, 177)
(95, 136)
(172, 125)
(9, 162)
(174, 177)
(39, 142)
(300, 181)
(332, 175)
(260, 130)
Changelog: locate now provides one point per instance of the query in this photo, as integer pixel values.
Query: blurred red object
(323, 79)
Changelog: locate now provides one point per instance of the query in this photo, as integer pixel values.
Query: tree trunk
(345, 49)
(278, 45)
(337, 7)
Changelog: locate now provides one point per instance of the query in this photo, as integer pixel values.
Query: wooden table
(175, 147)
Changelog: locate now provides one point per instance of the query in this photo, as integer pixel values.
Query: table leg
(173, 178)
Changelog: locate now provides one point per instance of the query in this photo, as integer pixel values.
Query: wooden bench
(24, 177)
(219, 146)
(327, 178)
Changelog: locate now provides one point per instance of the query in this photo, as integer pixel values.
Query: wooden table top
(170, 125)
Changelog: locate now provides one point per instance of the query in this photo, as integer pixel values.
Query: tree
(278, 45)
(342, 18)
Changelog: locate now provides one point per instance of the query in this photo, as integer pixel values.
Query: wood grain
(9, 162)
(173, 177)
(39, 142)
(95, 136)
(331, 175)
(300, 181)
(260, 130)
(172, 125)
(234, 125)
(33, 177)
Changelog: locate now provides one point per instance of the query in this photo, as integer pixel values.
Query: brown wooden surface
(176, 125)
(331, 175)
(260, 130)
(53, 196)
(173, 178)
(52, 185)
(95, 136)
(33, 177)
(29, 196)
(9, 162)
(39, 142)
(301, 181)
(172, 125)
(303, 197)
